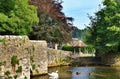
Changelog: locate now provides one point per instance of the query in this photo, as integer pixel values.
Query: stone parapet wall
(86, 61)
(34, 56)
(38, 57)
(58, 57)
(15, 46)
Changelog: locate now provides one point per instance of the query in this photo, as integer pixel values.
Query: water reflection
(84, 72)
(67, 72)
(64, 72)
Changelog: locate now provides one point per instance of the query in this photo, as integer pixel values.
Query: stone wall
(15, 46)
(38, 57)
(58, 57)
(34, 56)
(42, 57)
(110, 59)
(86, 61)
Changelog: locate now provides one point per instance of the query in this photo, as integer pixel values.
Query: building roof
(77, 43)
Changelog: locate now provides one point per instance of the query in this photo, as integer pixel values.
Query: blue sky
(78, 9)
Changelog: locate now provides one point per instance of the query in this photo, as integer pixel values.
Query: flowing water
(67, 72)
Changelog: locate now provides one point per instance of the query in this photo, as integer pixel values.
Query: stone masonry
(33, 55)
(15, 46)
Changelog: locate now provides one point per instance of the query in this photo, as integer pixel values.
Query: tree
(17, 17)
(104, 30)
(78, 33)
(53, 24)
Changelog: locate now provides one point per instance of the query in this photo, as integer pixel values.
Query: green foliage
(50, 33)
(25, 77)
(10, 77)
(88, 49)
(19, 70)
(68, 48)
(33, 66)
(37, 70)
(2, 63)
(15, 76)
(17, 17)
(77, 33)
(104, 33)
(53, 26)
(14, 62)
(7, 73)
(2, 40)
(31, 59)
(33, 48)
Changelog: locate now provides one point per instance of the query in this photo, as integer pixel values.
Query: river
(67, 72)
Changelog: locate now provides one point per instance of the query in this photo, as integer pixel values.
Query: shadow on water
(67, 72)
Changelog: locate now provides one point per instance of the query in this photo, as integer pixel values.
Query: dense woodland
(44, 20)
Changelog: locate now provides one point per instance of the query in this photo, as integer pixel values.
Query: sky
(78, 9)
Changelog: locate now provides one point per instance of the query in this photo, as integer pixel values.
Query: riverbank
(86, 61)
